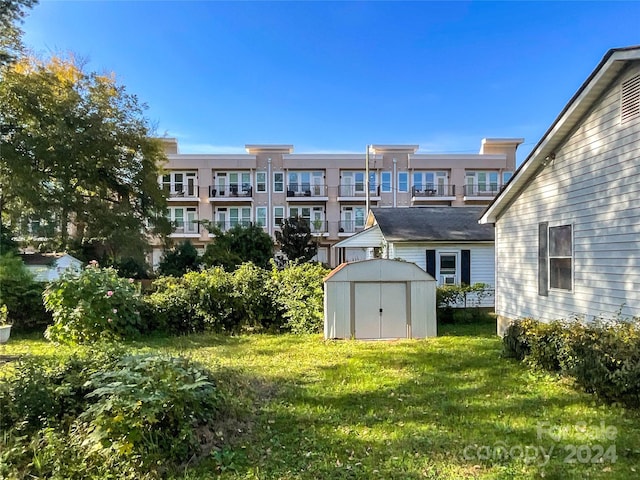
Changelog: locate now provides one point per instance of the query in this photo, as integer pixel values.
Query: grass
(443, 408)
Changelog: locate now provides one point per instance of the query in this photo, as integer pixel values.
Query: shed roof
(47, 259)
(377, 269)
(613, 62)
(444, 224)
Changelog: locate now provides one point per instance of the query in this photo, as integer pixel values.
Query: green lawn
(448, 407)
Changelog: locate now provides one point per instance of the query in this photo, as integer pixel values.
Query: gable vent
(630, 100)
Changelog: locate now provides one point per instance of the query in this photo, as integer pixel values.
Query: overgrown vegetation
(105, 414)
(444, 408)
(248, 298)
(21, 294)
(603, 357)
(96, 304)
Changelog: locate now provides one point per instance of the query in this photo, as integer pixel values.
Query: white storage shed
(379, 299)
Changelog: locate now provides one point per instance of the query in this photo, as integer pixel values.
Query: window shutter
(431, 263)
(465, 268)
(543, 265)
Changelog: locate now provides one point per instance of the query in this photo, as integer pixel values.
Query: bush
(96, 304)
(602, 357)
(462, 303)
(105, 414)
(298, 291)
(256, 304)
(22, 295)
(196, 302)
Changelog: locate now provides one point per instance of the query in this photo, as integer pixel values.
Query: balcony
(190, 228)
(304, 192)
(226, 225)
(481, 192)
(347, 228)
(353, 193)
(433, 193)
(231, 193)
(180, 193)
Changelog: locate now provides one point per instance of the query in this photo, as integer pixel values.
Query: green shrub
(96, 304)
(462, 303)
(298, 291)
(602, 357)
(256, 305)
(105, 414)
(22, 295)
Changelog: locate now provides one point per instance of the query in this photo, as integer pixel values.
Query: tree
(179, 260)
(296, 240)
(238, 245)
(12, 13)
(80, 154)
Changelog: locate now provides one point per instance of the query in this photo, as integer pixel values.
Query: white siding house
(47, 267)
(568, 223)
(445, 242)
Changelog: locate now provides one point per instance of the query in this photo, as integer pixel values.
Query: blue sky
(336, 76)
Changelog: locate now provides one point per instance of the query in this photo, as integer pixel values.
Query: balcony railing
(229, 224)
(231, 191)
(490, 190)
(357, 191)
(306, 190)
(350, 226)
(187, 191)
(432, 190)
(182, 227)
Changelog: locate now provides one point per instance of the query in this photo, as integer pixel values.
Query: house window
(561, 257)
(261, 182)
(261, 216)
(403, 181)
(229, 217)
(239, 182)
(448, 267)
(278, 182)
(506, 176)
(373, 183)
(385, 182)
(278, 215)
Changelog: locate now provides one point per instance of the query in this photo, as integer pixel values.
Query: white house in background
(446, 242)
(568, 223)
(49, 266)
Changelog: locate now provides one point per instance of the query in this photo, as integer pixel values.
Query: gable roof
(611, 65)
(44, 259)
(368, 237)
(445, 224)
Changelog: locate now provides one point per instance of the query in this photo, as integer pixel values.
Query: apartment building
(270, 183)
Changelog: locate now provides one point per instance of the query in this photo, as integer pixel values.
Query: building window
(229, 217)
(261, 182)
(431, 183)
(261, 216)
(403, 181)
(352, 184)
(180, 184)
(183, 219)
(278, 215)
(506, 176)
(352, 219)
(561, 257)
(373, 183)
(278, 182)
(481, 183)
(385, 182)
(305, 183)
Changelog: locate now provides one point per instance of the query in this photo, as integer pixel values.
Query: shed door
(381, 310)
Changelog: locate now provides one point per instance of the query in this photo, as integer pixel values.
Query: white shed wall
(594, 185)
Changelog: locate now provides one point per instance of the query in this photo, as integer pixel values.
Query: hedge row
(602, 357)
(97, 304)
